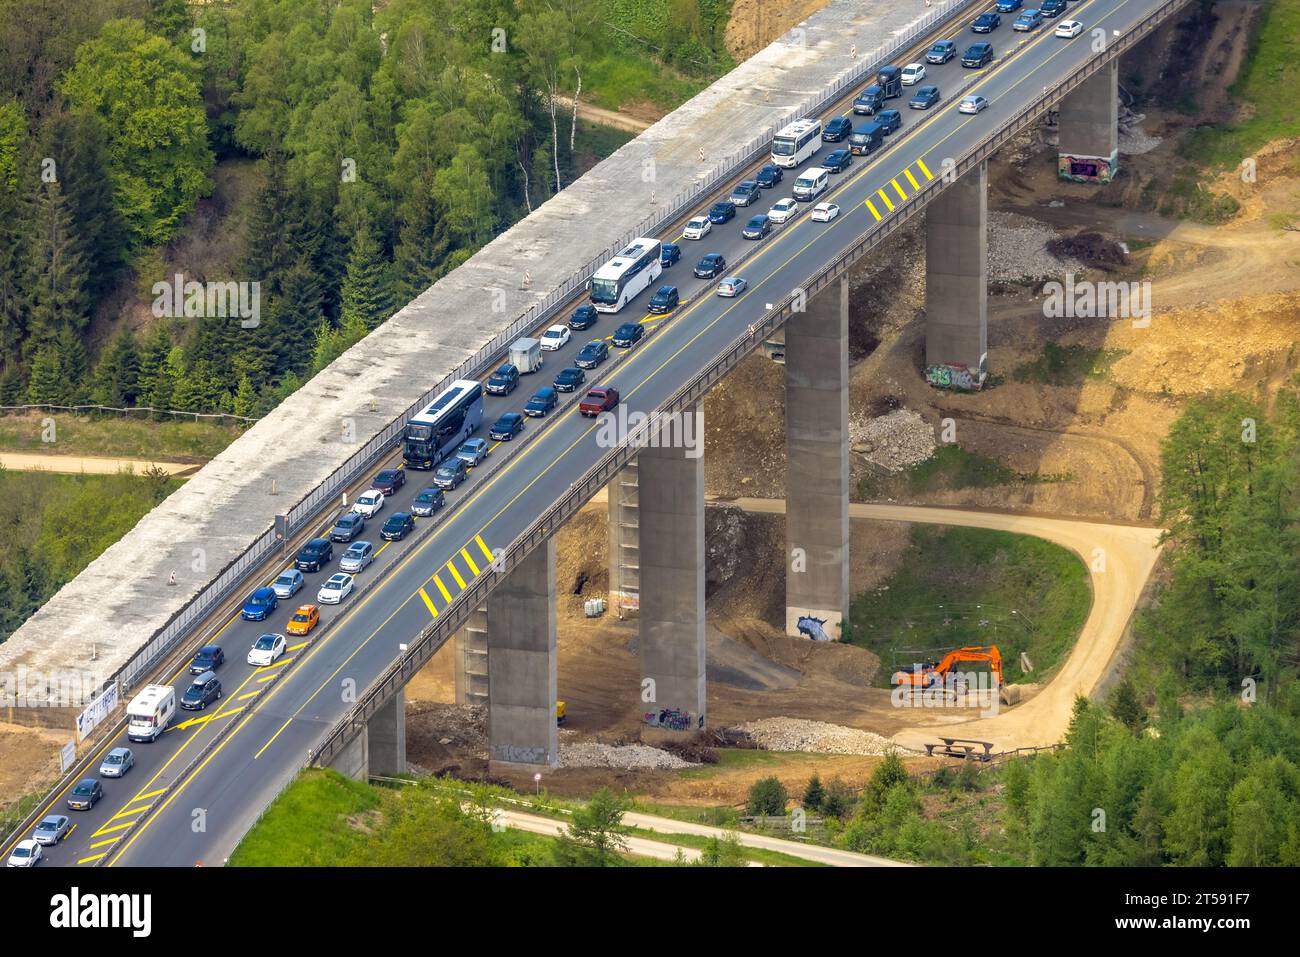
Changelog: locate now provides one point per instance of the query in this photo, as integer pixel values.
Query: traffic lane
(546, 494)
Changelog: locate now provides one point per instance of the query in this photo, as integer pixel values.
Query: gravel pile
(1133, 140)
(1018, 250)
(895, 442)
(628, 757)
(815, 737)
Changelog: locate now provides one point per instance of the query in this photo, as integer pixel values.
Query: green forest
(343, 156)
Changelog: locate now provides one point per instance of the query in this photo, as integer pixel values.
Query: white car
(369, 503)
(824, 212)
(267, 650)
(338, 587)
(731, 286)
(782, 210)
(288, 583)
(913, 73)
(972, 104)
(1069, 28)
(25, 854)
(697, 228)
(556, 337)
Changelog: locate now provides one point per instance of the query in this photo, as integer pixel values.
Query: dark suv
(348, 527)
(314, 555)
(204, 690)
(837, 129)
(977, 55)
(506, 378)
(664, 300)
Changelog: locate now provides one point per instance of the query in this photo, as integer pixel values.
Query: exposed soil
(754, 24)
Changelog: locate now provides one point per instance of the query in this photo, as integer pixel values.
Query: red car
(598, 400)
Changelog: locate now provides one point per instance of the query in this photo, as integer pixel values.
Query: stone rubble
(814, 737)
(1018, 251)
(628, 757)
(895, 441)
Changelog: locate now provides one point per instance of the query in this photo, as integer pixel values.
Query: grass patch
(1068, 365)
(1269, 85)
(972, 586)
(113, 437)
(316, 821)
(949, 469)
(618, 80)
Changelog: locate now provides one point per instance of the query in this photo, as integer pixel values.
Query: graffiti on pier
(951, 376)
(1086, 169)
(673, 719)
(814, 628)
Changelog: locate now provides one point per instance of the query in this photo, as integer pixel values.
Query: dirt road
(1119, 559)
(89, 465)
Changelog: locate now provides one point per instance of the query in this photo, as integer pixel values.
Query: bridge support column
(671, 533)
(471, 664)
(624, 543)
(817, 465)
(521, 664)
(354, 760)
(1089, 129)
(386, 738)
(956, 283)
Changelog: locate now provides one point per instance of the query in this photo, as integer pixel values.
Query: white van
(811, 184)
(149, 711)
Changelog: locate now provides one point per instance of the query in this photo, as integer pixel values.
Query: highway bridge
(487, 559)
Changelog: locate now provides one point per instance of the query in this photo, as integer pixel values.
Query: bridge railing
(431, 638)
(303, 512)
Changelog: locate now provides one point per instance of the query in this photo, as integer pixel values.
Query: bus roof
(799, 127)
(444, 398)
(615, 268)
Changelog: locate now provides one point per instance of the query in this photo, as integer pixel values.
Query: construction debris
(628, 757)
(895, 441)
(814, 737)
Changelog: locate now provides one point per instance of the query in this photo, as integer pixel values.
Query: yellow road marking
(428, 602)
(244, 697)
(303, 644)
(109, 830)
(446, 595)
(134, 810)
(141, 797)
(924, 169)
(469, 561)
(873, 211)
(911, 179)
(899, 189)
(93, 857)
(265, 678)
(487, 552)
(451, 566)
(111, 840)
(889, 205)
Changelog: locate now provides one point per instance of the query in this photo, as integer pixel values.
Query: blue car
(924, 98)
(543, 401)
(1007, 6)
(669, 253)
(260, 604)
(986, 23)
(722, 211)
(837, 161)
(507, 427)
(769, 176)
(757, 227)
(1028, 21)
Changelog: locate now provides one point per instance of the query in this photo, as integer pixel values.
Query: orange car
(304, 620)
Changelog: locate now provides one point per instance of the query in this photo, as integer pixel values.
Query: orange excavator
(934, 674)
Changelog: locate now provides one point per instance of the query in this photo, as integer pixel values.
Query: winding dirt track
(1119, 559)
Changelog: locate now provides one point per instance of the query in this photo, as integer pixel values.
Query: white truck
(526, 355)
(149, 711)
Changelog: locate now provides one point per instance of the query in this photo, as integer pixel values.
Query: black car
(569, 379)
(389, 481)
(85, 795)
(977, 55)
(889, 121)
(628, 335)
(204, 690)
(1051, 8)
(398, 524)
(769, 176)
(348, 527)
(669, 253)
(592, 355)
(584, 317)
(209, 658)
(543, 401)
(837, 129)
(451, 473)
(869, 101)
(428, 501)
(507, 427)
(986, 23)
(924, 98)
(837, 161)
(722, 211)
(664, 300)
(757, 227)
(711, 266)
(314, 555)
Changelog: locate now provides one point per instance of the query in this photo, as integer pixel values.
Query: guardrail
(431, 638)
(234, 574)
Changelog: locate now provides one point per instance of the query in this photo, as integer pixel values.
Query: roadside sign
(97, 711)
(67, 756)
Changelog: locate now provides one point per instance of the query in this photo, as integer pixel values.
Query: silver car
(288, 583)
(357, 557)
(52, 829)
(117, 762)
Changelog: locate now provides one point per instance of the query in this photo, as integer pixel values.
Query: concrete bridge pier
(817, 465)
(521, 665)
(470, 646)
(671, 538)
(381, 748)
(1088, 150)
(956, 283)
(624, 543)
